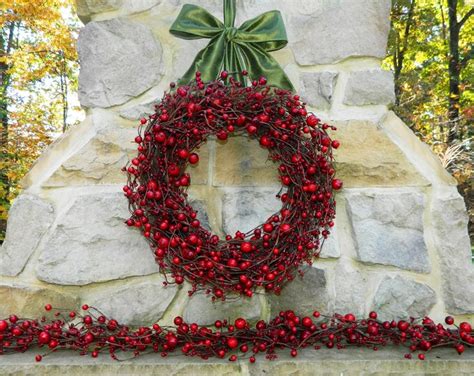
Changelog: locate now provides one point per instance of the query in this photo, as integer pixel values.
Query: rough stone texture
(200, 171)
(138, 111)
(317, 88)
(400, 298)
(99, 161)
(28, 301)
(367, 157)
(369, 87)
(120, 59)
(243, 209)
(29, 215)
(305, 294)
(316, 38)
(351, 361)
(87, 8)
(200, 207)
(454, 251)
(241, 161)
(351, 289)
(135, 303)
(202, 310)
(388, 228)
(330, 248)
(91, 244)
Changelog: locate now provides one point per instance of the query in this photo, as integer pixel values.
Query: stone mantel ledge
(347, 362)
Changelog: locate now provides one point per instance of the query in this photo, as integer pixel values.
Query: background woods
(430, 51)
(38, 74)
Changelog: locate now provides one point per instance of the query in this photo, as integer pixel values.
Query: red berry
(449, 320)
(240, 323)
(336, 184)
(182, 91)
(373, 315)
(224, 75)
(48, 307)
(232, 342)
(312, 120)
(193, 158)
(246, 247)
(3, 325)
(460, 348)
(38, 358)
(421, 356)
(465, 327)
(143, 121)
(335, 144)
(44, 338)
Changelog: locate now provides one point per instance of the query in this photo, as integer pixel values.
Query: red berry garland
(270, 254)
(93, 333)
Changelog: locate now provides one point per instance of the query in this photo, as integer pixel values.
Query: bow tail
(234, 63)
(208, 61)
(260, 63)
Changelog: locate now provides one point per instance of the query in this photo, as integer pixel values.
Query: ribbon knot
(230, 33)
(233, 49)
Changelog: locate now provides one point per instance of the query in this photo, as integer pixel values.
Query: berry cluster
(92, 333)
(267, 256)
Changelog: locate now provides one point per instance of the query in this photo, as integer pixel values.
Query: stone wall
(400, 244)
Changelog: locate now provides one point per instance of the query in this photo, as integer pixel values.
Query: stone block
(91, 243)
(135, 304)
(367, 157)
(369, 87)
(351, 289)
(120, 59)
(28, 301)
(305, 295)
(242, 162)
(244, 209)
(200, 309)
(317, 88)
(325, 32)
(99, 161)
(29, 219)
(400, 298)
(388, 228)
(450, 220)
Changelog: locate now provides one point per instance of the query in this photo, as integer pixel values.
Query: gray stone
(330, 247)
(139, 111)
(135, 304)
(450, 220)
(352, 361)
(336, 30)
(388, 228)
(200, 309)
(87, 8)
(244, 209)
(29, 301)
(91, 243)
(29, 218)
(304, 295)
(369, 87)
(120, 59)
(200, 207)
(400, 298)
(351, 288)
(317, 88)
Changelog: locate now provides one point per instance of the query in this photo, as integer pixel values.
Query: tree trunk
(6, 45)
(454, 69)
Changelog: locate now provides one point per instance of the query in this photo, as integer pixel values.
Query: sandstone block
(369, 87)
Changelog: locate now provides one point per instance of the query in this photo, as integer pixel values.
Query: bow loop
(233, 49)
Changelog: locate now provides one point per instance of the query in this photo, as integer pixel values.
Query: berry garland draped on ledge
(91, 333)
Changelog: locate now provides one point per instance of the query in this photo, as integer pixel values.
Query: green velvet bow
(233, 49)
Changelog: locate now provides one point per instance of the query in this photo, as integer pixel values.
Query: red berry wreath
(270, 254)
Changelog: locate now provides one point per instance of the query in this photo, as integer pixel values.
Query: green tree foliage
(431, 52)
(38, 71)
